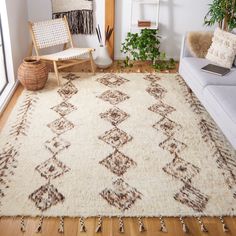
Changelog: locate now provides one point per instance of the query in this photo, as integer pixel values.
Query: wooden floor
(11, 226)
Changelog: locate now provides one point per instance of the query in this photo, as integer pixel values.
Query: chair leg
(31, 49)
(56, 72)
(92, 62)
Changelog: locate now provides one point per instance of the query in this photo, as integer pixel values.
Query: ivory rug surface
(115, 145)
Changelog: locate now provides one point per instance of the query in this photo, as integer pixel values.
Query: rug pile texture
(115, 145)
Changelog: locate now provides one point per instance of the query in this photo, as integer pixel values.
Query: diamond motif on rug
(167, 126)
(118, 163)
(115, 137)
(52, 168)
(181, 169)
(71, 76)
(161, 109)
(112, 80)
(46, 196)
(56, 145)
(152, 78)
(122, 197)
(114, 97)
(67, 91)
(172, 145)
(64, 108)
(60, 126)
(115, 116)
(156, 91)
(192, 198)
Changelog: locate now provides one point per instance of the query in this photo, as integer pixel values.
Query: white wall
(18, 28)
(42, 10)
(176, 17)
(15, 35)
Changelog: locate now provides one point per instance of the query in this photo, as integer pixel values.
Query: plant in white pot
(103, 59)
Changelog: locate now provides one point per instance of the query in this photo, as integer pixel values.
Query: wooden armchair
(56, 32)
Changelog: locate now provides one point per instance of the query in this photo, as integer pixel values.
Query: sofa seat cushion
(223, 100)
(194, 65)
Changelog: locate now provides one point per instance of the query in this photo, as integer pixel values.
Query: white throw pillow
(223, 48)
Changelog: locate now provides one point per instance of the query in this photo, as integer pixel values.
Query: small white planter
(103, 59)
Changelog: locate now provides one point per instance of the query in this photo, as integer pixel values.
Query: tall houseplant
(222, 12)
(145, 46)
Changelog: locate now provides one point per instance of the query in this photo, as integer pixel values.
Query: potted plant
(145, 46)
(222, 12)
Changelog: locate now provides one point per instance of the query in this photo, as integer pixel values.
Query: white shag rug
(115, 145)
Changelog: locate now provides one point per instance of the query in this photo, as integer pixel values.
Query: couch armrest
(184, 49)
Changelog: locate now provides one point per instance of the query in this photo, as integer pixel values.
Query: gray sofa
(216, 93)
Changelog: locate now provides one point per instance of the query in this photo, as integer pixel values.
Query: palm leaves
(222, 12)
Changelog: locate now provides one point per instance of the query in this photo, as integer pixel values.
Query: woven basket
(33, 74)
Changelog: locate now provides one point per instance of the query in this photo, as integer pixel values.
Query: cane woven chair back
(51, 33)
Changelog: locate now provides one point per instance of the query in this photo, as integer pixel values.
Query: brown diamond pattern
(167, 126)
(192, 198)
(173, 146)
(116, 137)
(112, 80)
(60, 126)
(71, 76)
(118, 163)
(156, 91)
(46, 196)
(114, 97)
(152, 78)
(52, 168)
(181, 169)
(123, 196)
(161, 109)
(64, 108)
(68, 90)
(115, 116)
(56, 145)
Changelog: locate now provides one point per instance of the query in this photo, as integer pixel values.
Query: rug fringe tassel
(184, 226)
(203, 227)
(61, 225)
(39, 227)
(141, 225)
(225, 227)
(99, 227)
(121, 225)
(22, 224)
(163, 225)
(82, 225)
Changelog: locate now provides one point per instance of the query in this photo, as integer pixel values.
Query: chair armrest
(184, 48)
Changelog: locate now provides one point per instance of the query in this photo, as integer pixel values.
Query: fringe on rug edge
(141, 227)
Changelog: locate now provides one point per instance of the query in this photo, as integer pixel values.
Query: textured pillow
(199, 43)
(223, 48)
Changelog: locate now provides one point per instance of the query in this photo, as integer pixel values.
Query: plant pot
(33, 74)
(103, 59)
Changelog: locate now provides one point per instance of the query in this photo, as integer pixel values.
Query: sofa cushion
(223, 100)
(194, 65)
(223, 48)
